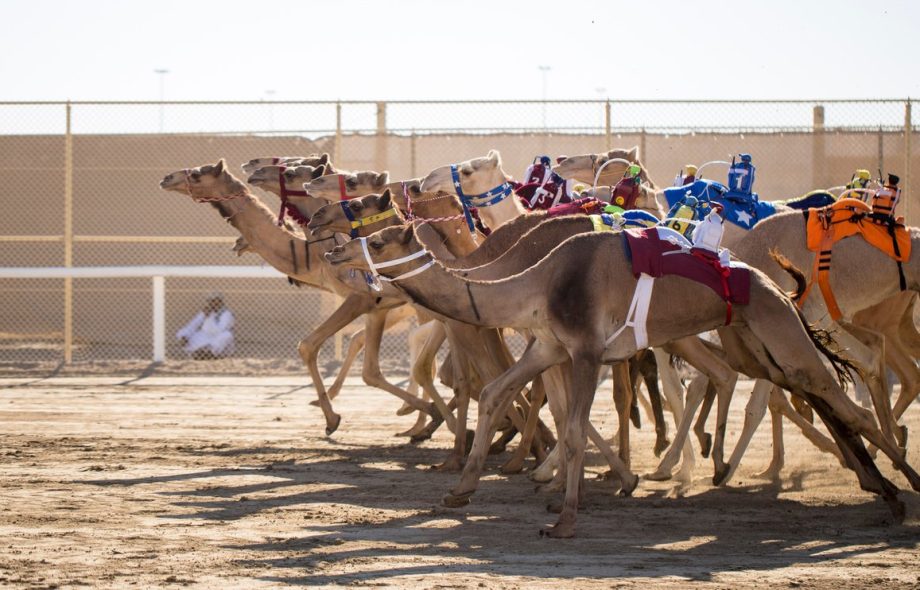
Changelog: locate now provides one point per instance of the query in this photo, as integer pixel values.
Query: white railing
(157, 275)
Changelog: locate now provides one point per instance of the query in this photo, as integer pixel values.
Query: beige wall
(116, 193)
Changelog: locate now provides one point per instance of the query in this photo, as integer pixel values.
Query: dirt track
(222, 482)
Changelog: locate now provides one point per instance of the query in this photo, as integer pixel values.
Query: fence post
(607, 135)
(68, 238)
(412, 154)
(881, 149)
(337, 148)
(908, 131)
(380, 142)
(159, 319)
(817, 147)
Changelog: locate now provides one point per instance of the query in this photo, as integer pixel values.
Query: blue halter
(350, 216)
(486, 199)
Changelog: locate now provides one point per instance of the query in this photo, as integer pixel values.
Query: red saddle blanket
(657, 257)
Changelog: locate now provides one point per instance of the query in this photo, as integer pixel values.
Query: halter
(284, 193)
(343, 194)
(410, 217)
(375, 265)
(364, 221)
(217, 199)
(486, 199)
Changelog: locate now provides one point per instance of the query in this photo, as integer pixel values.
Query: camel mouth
(335, 257)
(170, 183)
(255, 180)
(316, 224)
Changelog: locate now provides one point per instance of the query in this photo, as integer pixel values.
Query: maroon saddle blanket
(657, 257)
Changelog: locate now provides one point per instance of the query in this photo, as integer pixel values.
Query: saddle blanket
(660, 251)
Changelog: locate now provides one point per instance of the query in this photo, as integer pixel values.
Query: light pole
(544, 70)
(161, 72)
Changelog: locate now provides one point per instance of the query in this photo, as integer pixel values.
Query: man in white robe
(210, 333)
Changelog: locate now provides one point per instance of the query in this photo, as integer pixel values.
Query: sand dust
(228, 482)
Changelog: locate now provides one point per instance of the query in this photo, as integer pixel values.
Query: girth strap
(637, 316)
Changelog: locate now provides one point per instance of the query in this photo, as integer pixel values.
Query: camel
(314, 160)
(611, 165)
(861, 277)
(585, 168)
(766, 338)
(302, 259)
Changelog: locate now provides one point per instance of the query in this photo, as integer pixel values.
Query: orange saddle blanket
(849, 217)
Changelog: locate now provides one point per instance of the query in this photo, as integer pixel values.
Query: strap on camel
(822, 265)
(637, 316)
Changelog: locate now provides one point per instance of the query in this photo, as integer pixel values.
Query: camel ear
(384, 201)
(406, 234)
(317, 172)
(495, 158)
(219, 167)
(324, 159)
(383, 178)
(633, 154)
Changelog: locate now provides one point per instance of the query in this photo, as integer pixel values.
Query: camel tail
(801, 283)
(827, 346)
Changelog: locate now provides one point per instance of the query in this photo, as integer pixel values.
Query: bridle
(486, 199)
(359, 222)
(287, 207)
(410, 217)
(373, 266)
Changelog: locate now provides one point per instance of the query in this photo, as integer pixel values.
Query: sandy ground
(229, 482)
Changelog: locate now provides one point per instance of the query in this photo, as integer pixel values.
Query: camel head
(206, 183)
(311, 160)
(387, 244)
(476, 176)
(269, 177)
(583, 168)
(334, 187)
(332, 216)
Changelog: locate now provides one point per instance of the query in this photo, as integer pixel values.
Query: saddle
(848, 217)
(660, 251)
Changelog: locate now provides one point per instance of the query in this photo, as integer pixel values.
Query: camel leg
(695, 393)
(423, 371)
(753, 413)
(872, 357)
(516, 463)
(374, 377)
(454, 461)
(647, 366)
(622, 399)
(777, 460)
(554, 382)
(906, 368)
(584, 384)
(353, 307)
(808, 429)
(699, 428)
(538, 357)
(621, 471)
(355, 346)
(420, 338)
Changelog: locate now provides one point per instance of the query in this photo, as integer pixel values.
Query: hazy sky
(470, 49)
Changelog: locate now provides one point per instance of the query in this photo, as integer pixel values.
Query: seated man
(210, 333)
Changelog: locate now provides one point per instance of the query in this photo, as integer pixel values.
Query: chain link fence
(80, 184)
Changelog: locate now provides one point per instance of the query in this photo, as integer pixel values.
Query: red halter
(286, 207)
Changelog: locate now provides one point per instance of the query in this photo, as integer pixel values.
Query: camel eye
(376, 244)
(196, 175)
(351, 182)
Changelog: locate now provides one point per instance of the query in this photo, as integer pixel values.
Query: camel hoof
(540, 476)
(334, 425)
(452, 500)
(498, 447)
(898, 511)
(558, 531)
(629, 486)
(428, 431)
(554, 507)
(405, 410)
(705, 444)
(661, 445)
(658, 476)
(549, 488)
(721, 475)
(512, 466)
